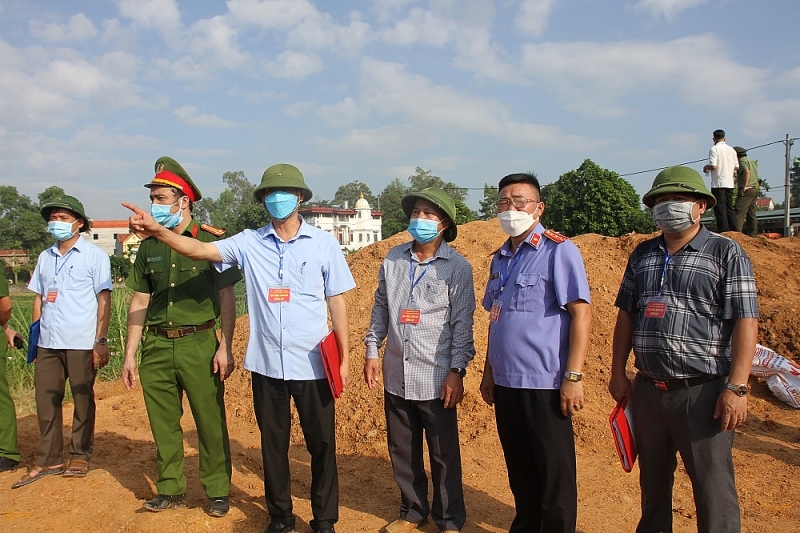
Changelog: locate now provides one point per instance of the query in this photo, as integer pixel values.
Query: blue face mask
(61, 231)
(280, 204)
(423, 231)
(163, 215)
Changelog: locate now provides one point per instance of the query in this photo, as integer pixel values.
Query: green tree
(488, 208)
(50, 193)
(235, 209)
(423, 179)
(794, 182)
(394, 219)
(351, 192)
(463, 213)
(593, 200)
(21, 225)
(120, 267)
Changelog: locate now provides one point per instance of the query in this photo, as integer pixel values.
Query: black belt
(676, 384)
(176, 333)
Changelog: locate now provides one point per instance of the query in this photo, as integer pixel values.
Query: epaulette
(555, 236)
(213, 230)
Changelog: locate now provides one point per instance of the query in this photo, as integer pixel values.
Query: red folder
(622, 426)
(329, 349)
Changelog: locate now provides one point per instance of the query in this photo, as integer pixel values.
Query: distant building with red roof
(105, 234)
(765, 203)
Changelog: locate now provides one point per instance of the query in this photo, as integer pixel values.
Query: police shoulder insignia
(555, 236)
(213, 230)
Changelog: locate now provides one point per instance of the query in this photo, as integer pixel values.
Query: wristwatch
(461, 372)
(740, 390)
(102, 341)
(573, 376)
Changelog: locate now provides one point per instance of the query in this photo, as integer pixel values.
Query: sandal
(76, 468)
(38, 472)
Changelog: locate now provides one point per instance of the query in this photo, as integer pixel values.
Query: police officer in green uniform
(9, 450)
(178, 300)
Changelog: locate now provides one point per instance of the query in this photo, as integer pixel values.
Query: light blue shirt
(284, 336)
(72, 281)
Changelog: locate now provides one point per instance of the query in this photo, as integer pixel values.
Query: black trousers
(539, 449)
(315, 407)
(723, 211)
(406, 421)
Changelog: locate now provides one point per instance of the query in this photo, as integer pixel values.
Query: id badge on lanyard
(657, 306)
(412, 314)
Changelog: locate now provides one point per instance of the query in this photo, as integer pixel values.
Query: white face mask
(515, 223)
(674, 216)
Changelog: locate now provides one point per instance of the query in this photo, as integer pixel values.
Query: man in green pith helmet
(72, 282)
(688, 309)
(178, 300)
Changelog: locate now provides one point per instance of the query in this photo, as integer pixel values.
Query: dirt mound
(766, 453)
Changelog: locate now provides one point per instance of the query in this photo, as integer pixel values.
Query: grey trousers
(406, 420)
(53, 367)
(682, 421)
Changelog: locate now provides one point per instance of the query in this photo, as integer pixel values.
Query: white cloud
(343, 113)
(790, 78)
(294, 65)
(771, 119)
(590, 77)
(189, 115)
(214, 42)
(274, 14)
(420, 27)
(163, 15)
(390, 90)
(533, 16)
(79, 28)
(666, 8)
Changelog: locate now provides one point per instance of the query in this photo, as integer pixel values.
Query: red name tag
(410, 316)
(51, 296)
(655, 309)
(279, 294)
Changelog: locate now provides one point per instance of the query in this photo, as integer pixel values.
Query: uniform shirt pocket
(528, 292)
(78, 279)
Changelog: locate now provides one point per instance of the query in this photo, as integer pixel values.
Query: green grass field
(20, 374)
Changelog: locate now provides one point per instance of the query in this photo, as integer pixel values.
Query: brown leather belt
(676, 384)
(176, 333)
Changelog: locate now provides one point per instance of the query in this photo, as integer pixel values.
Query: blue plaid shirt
(707, 285)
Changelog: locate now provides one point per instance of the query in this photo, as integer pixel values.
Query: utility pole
(787, 218)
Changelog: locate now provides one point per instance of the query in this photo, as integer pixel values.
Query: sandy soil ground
(109, 498)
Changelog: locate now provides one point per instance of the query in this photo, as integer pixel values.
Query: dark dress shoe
(7, 465)
(280, 525)
(218, 507)
(326, 530)
(163, 502)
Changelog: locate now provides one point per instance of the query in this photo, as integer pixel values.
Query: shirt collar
(304, 231)
(697, 242)
(443, 252)
(77, 246)
(533, 239)
(192, 229)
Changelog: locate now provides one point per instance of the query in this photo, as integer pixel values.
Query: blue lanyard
(506, 276)
(667, 259)
(411, 276)
(281, 251)
(58, 270)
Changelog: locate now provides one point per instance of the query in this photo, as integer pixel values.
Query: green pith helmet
(678, 179)
(741, 152)
(439, 198)
(167, 165)
(283, 176)
(71, 203)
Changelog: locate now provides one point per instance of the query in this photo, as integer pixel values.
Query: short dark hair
(521, 177)
(719, 135)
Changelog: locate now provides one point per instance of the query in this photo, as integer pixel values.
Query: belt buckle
(173, 333)
(661, 385)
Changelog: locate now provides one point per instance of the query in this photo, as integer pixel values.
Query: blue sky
(92, 92)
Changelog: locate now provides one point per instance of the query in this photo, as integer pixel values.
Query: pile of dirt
(766, 453)
(359, 412)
